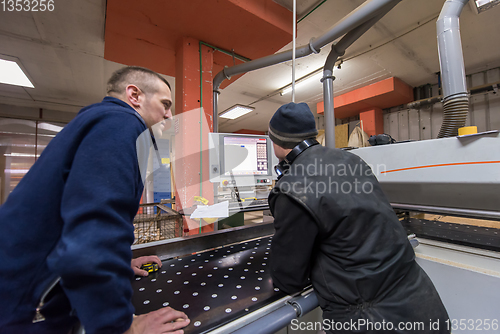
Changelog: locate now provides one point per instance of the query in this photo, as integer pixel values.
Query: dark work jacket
(361, 264)
(71, 217)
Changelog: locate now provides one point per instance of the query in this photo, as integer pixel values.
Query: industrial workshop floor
(253, 217)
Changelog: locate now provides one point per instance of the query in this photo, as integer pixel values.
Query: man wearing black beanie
(336, 230)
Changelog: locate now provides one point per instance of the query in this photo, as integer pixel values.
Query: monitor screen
(241, 159)
(245, 156)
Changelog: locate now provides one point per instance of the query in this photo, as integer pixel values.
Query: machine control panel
(258, 181)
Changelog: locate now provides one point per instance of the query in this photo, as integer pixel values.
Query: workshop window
(21, 143)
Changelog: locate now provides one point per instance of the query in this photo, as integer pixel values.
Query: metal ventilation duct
(456, 98)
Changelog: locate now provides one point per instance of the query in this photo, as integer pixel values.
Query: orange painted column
(193, 124)
(373, 121)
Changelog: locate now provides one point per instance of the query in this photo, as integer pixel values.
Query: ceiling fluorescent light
(236, 111)
(313, 78)
(16, 171)
(11, 73)
(50, 127)
(480, 6)
(24, 155)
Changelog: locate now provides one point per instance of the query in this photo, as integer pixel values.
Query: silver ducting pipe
(467, 213)
(337, 51)
(215, 118)
(328, 105)
(273, 322)
(360, 15)
(451, 60)
(424, 102)
(491, 87)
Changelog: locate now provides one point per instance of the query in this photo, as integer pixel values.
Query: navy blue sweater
(71, 217)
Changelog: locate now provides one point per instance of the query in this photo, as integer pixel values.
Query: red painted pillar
(192, 128)
(373, 121)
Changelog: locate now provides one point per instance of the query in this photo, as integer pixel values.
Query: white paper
(219, 210)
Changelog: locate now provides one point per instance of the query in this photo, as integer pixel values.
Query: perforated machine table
(224, 289)
(213, 287)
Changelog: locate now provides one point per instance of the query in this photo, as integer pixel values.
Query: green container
(237, 219)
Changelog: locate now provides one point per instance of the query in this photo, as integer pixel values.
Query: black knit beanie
(291, 124)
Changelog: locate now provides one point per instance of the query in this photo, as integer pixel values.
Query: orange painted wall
(164, 36)
(220, 61)
(383, 94)
(131, 39)
(373, 121)
(143, 34)
(270, 11)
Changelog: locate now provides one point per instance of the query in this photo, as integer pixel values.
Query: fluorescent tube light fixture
(11, 73)
(24, 155)
(314, 78)
(50, 127)
(16, 171)
(236, 111)
(480, 6)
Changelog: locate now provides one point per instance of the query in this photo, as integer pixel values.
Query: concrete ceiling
(403, 44)
(63, 52)
(303, 7)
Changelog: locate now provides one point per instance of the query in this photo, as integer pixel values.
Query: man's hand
(138, 262)
(162, 321)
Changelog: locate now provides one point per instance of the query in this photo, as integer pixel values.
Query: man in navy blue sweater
(68, 223)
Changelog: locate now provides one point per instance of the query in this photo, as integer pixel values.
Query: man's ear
(133, 94)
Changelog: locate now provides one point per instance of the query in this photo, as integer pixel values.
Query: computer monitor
(241, 160)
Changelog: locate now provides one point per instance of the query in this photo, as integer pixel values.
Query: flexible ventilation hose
(455, 109)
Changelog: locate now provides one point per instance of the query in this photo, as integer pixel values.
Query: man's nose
(168, 114)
